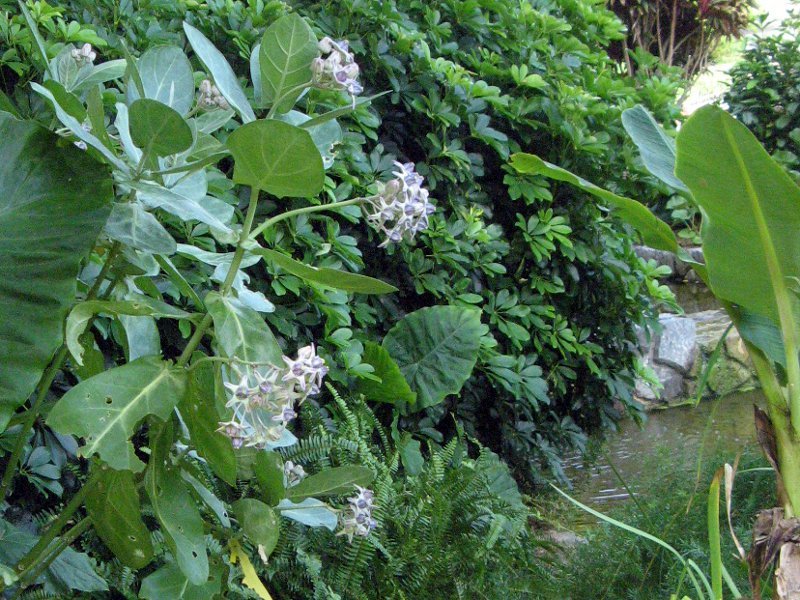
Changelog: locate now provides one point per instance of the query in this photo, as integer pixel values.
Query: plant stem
(285, 95)
(56, 526)
(101, 276)
(236, 262)
(32, 573)
(300, 211)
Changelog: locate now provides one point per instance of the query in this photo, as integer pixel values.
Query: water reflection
(726, 425)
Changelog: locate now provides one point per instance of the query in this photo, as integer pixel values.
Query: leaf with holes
(287, 50)
(113, 505)
(106, 408)
(276, 157)
(436, 349)
(53, 203)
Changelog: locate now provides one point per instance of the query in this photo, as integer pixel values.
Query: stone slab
(677, 345)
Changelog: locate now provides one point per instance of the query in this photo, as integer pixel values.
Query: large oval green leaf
(54, 200)
(287, 50)
(169, 582)
(157, 128)
(113, 505)
(258, 522)
(278, 158)
(436, 349)
(752, 212)
(166, 76)
(241, 332)
(107, 408)
(392, 387)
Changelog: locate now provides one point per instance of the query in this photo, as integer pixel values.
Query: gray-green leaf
(287, 50)
(241, 332)
(131, 224)
(436, 349)
(157, 128)
(167, 77)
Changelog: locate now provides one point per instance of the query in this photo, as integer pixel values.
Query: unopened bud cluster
(263, 401)
(357, 519)
(84, 55)
(336, 69)
(210, 97)
(402, 209)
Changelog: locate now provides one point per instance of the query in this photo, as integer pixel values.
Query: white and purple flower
(336, 69)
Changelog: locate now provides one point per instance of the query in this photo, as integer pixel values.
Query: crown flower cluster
(264, 399)
(357, 518)
(210, 97)
(336, 69)
(84, 55)
(402, 209)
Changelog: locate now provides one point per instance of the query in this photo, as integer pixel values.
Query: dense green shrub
(765, 91)
(558, 281)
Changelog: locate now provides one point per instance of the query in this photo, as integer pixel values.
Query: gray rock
(677, 346)
(672, 381)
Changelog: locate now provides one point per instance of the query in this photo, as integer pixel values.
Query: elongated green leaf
(331, 482)
(178, 202)
(221, 72)
(169, 582)
(167, 77)
(436, 349)
(268, 469)
(207, 496)
(131, 224)
(655, 233)
(311, 512)
(158, 128)
(752, 212)
(339, 112)
(114, 508)
(37, 36)
(655, 146)
(276, 157)
(107, 71)
(107, 408)
(393, 387)
(287, 49)
(53, 203)
(199, 412)
(714, 542)
(241, 332)
(175, 509)
(80, 316)
(259, 523)
(340, 280)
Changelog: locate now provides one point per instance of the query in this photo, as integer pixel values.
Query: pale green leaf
(287, 50)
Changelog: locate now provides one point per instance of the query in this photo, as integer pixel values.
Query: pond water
(675, 434)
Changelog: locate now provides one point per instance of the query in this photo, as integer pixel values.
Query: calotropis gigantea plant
(134, 161)
(751, 219)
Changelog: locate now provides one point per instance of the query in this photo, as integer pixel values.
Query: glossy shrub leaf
(340, 280)
(268, 470)
(392, 387)
(199, 411)
(276, 157)
(311, 512)
(175, 509)
(53, 203)
(334, 481)
(655, 232)
(436, 349)
(655, 146)
(166, 76)
(83, 312)
(170, 582)
(241, 332)
(258, 522)
(132, 225)
(221, 72)
(157, 128)
(113, 505)
(106, 409)
(287, 49)
(751, 212)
